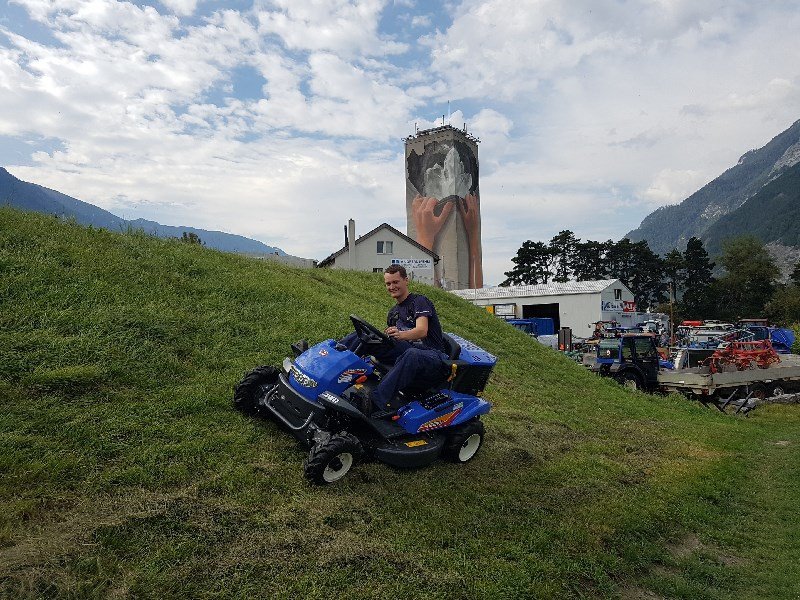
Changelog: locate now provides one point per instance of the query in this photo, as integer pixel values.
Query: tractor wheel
(776, 388)
(630, 381)
(247, 392)
(332, 460)
(465, 441)
(758, 391)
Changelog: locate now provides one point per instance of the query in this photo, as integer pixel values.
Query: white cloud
(181, 7)
(590, 113)
(672, 187)
(347, 28)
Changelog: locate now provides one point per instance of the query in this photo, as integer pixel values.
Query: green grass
(126, 472)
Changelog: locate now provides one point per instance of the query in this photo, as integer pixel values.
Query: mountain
(32, 197)
(766, 176)
(772, 214)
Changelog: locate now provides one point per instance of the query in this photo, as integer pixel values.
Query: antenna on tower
(448, 112)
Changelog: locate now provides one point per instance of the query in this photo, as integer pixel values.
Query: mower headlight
(287, 365)
(302, 378)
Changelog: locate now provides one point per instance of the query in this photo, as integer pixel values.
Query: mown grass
(126, 472)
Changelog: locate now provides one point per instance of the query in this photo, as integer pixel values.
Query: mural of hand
(470, 212)
(471, 215)
(425, 220)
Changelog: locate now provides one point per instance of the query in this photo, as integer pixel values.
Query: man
(418, 351)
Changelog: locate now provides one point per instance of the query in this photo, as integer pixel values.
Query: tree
(784, 307)
(794, 277)
(563, 247)
(590, 262)
(640, 269)
(191, 238)
(749, 279)
(675, 271)
(532, 264)
(697, 300)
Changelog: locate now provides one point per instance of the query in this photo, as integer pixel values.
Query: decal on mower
(415, 443)
(323, 352)
(444, 420)
(302, 378)
(329, 397)
(351, 374)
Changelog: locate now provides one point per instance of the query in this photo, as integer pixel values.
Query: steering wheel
(369, 334)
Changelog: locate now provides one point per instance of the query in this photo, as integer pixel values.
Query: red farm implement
(741, 356)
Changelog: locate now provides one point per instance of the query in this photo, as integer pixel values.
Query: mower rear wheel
(247, 392)
(463, 444)
(330, 461)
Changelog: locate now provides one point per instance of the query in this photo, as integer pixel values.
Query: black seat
(452, 348)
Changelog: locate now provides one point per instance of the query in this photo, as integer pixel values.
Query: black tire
(247, 392)
(630, 381)
(464, 442)
(758, 391)
(327, 463)
(776, 388)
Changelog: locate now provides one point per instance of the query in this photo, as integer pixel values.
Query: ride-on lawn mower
(322, 398)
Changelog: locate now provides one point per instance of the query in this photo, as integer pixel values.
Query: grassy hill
(126, 472)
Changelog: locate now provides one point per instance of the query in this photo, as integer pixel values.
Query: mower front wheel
(462, 445)
(247, 392)
(328, 462)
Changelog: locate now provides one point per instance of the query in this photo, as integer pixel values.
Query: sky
(281, 119)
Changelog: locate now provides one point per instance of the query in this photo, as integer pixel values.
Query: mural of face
(444, 170)
(441, 181)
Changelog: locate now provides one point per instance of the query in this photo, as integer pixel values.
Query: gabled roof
(545, 289)
(329, 260)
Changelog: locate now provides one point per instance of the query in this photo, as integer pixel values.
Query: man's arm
(419, 332)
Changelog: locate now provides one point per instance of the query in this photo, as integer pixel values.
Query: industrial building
(575, 304)
(381, 247)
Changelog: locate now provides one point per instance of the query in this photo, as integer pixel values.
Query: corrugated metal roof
(545, 289)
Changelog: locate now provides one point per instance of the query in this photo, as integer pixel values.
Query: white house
(574, 304)
(381, 247)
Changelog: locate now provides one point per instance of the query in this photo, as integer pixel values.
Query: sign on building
(618, 306)
(417, 268)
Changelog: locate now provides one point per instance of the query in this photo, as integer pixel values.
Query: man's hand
(393, 332)
(427, 223)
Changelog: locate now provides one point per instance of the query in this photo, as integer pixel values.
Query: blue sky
(281, 119)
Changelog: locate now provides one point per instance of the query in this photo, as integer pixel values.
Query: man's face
(396, 285)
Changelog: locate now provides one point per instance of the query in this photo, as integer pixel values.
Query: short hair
(397, 269)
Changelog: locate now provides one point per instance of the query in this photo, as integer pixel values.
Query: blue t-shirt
(404, 317)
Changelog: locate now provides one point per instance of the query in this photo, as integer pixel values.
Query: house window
(377, 269)
(384, 247)
(617, 294)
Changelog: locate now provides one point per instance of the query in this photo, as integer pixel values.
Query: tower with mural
(443, 202)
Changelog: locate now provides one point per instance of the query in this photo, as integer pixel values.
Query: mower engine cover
(328, 366)
(460, 408)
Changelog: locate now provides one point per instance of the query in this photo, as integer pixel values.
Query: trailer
(710, 376)
(699, 382)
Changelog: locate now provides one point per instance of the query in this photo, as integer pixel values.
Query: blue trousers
(412, 365)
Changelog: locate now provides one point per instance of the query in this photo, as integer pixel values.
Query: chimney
(351, 245)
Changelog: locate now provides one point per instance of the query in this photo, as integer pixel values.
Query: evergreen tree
(640, 269)
(563, 247)
(675, 271)
(590, 262)
(697, 301)
(794, 277)
(532, 264)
